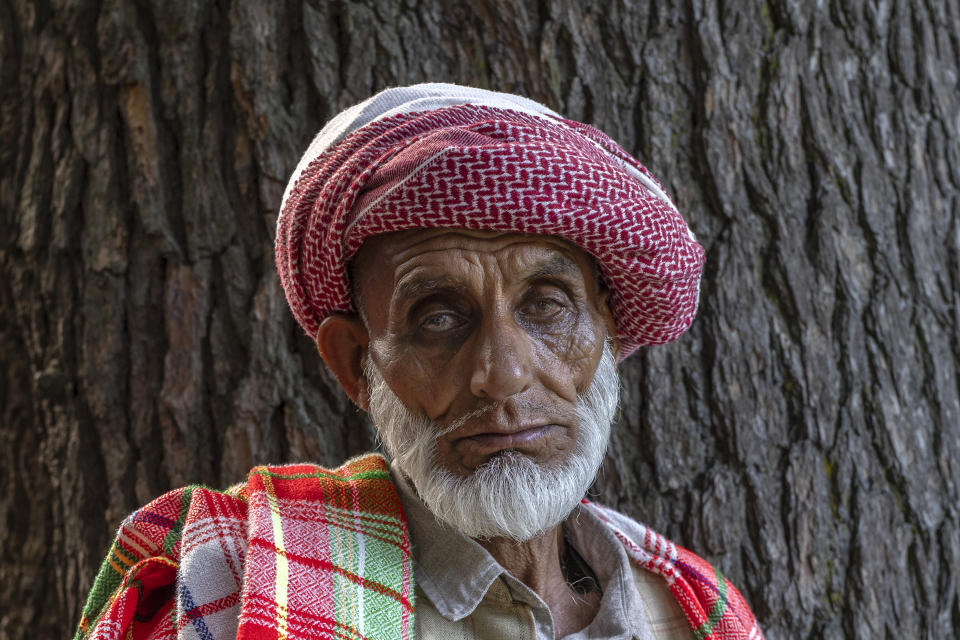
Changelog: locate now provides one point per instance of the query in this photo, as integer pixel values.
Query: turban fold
(436, 155)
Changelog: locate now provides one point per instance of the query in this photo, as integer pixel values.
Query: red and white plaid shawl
(476, 166)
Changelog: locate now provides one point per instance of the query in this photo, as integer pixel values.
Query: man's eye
(543, 308)
(440, 321)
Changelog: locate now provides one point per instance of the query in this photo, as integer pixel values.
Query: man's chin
(508, 496)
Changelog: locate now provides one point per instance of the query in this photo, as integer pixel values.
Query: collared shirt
(463, 593)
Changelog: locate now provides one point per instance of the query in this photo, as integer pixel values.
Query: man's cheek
(573, 356)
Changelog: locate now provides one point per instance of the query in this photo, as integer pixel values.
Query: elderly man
(471, 266)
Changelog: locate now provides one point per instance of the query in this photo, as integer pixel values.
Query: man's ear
(342, 340)
(603, 303)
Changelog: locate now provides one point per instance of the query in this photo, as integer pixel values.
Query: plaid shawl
(304, 552)
(297, 552)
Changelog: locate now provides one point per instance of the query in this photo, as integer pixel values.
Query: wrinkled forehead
(385, 258)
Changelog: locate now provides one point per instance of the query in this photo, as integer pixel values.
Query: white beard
(509, 495)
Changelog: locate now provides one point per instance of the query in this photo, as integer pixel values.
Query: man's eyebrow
(558, 265)
(417, 287)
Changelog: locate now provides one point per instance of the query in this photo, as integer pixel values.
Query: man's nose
(503, 355)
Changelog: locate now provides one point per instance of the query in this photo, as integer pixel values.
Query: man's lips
(493, 441)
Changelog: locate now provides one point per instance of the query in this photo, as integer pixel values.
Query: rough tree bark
(805, 433)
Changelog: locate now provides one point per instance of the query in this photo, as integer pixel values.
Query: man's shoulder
(163, 520)
(165, 523)
(642, 542)
(617, 519)
(201, 532)
(711, 603)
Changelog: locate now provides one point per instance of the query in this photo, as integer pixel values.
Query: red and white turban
(440, 155)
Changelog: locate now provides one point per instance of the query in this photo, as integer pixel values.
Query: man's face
(490, 335)
(490, 341)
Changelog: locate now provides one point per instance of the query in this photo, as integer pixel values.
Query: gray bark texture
(804, 435)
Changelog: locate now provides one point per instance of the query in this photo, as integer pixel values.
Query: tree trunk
(804, 435)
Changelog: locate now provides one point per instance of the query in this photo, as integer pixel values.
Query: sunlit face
(489, 336)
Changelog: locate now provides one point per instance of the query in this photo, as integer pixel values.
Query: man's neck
(538, 564)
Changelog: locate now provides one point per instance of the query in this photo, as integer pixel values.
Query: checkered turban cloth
(441, 155)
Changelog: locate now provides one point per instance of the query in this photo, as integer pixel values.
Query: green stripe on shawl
(104, 585)
(174, 535)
